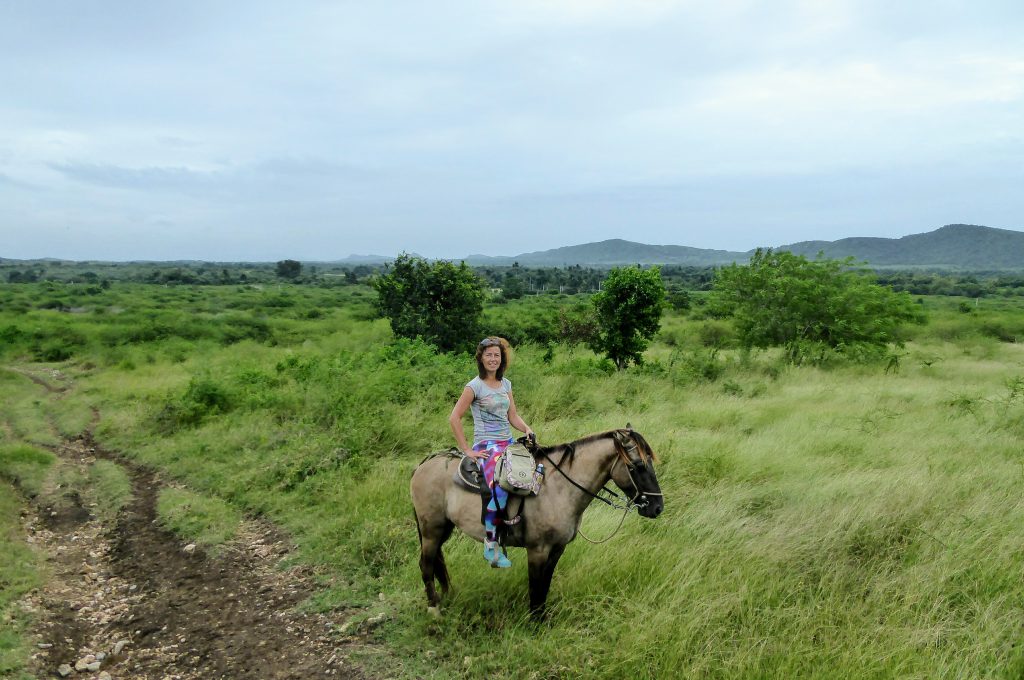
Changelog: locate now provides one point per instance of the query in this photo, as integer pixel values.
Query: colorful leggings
(499, 497)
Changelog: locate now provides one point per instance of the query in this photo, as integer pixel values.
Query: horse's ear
(629, 427)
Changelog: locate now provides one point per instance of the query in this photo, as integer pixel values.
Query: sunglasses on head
(488, 342)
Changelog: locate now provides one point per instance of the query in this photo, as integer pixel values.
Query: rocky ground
(132, 601)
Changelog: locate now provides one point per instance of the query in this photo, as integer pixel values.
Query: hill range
(954, 246)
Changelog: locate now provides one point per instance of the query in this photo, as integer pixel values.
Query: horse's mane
(569, 449)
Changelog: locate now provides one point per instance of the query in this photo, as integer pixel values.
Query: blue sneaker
(495, 556)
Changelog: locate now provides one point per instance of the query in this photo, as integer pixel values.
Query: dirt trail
(131, 601)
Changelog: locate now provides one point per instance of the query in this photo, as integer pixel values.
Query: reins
(572, 448)
(630, 503)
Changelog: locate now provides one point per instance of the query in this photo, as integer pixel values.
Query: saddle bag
(517, 471)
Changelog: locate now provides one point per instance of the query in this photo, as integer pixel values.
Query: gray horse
(575, 473)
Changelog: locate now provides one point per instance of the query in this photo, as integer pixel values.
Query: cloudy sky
(314, 130)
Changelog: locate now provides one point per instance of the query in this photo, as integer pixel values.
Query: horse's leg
(428, 553)
(540, 580)
(440, 568)
(553, 557)
(432, 537)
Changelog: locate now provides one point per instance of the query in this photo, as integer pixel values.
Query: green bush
(716, 334)
(629, 309)
(439, 302)
(202, 398)
(815, 309)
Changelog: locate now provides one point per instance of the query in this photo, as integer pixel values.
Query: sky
(259, 131)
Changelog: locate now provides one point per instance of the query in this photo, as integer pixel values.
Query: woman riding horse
(577, 474)
(489, 396)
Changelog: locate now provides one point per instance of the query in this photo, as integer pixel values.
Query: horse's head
(633, 472)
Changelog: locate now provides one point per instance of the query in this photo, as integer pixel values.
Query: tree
(289, 269)
(441, 303)
(809, 307)
(512, 287)
(629, 310)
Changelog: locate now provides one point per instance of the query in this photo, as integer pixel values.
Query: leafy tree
(679, 299)
(512, 288)
(629, 310)
(289, 269)
(439, 302)
(809, 307)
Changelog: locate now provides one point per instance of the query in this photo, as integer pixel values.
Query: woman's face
(491, 358)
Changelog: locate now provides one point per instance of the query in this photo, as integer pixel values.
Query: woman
(489, 396)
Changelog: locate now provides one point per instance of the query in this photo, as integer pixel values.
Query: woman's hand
(475, 454)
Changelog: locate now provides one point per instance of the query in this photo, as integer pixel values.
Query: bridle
(628, 447)
(617, 501)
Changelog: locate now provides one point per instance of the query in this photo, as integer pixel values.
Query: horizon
(136, 132)
(374, 257)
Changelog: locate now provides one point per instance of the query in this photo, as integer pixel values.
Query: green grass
(109, 489)
(824, 522)
(25, 466)
(207, 521)
(19, 573)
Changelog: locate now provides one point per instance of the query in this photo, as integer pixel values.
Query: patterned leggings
(499, 497)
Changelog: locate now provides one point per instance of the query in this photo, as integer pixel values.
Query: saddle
(469, 476)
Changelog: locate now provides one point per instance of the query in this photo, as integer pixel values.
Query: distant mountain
(365, 259)
(615, 252)
(954, 246)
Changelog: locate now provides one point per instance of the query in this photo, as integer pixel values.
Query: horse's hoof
(434, 612)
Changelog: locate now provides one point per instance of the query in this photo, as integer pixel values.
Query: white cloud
(409, 125)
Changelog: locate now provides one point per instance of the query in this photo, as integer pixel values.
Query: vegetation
(821, 521)
(438, 302)
(629, 311)
(810, 307)
(206, 521)
(289, 269)
(19, 574)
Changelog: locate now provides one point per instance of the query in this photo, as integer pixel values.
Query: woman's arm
(514, 419)
(455, 421)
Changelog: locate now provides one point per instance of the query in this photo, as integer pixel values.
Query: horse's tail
(419, 532)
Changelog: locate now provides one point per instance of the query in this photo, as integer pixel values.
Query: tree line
(507, 282)
(813, 309)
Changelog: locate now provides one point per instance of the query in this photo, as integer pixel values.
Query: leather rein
(630, 503)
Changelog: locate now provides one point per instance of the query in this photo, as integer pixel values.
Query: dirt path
(131, 601)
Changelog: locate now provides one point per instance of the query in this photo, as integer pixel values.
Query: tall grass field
(848, 520)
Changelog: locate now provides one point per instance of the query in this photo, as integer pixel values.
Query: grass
(108, 490)
(837, 521)
(204, 520)
(25, 466)
(19, 573)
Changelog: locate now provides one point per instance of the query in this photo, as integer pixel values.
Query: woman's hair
(506, 355)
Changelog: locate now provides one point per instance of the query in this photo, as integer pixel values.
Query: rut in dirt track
(176, 613)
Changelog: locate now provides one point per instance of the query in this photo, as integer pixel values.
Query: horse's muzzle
(650, 506)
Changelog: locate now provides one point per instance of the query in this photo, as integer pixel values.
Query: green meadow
(855, 520)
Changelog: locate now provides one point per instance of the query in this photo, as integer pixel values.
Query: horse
(578, 471)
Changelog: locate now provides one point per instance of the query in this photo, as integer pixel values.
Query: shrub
(440, 302)
(202, 398)
(629, 311)
(716, 334)
(812, 308)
